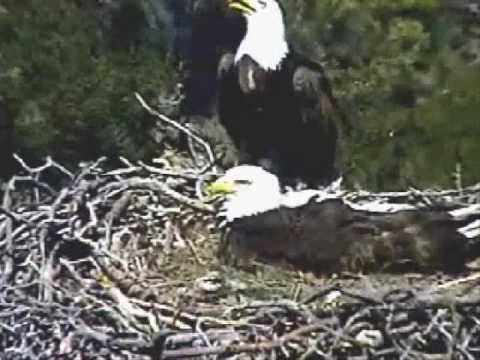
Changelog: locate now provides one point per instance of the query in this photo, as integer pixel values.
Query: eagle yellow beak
(220, 187)
(243, 6)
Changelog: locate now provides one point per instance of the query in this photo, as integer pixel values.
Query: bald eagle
(320, 230)
(277, 105)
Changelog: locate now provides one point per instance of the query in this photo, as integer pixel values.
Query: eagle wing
(229, 101)
(311, 84)
(237, 114)
(332, 236)
(360, 240)
(314, 132)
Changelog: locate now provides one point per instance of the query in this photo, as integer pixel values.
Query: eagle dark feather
(282, 120)
(330, 236)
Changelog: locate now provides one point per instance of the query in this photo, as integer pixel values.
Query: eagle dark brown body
(285, 119)
(330, 236)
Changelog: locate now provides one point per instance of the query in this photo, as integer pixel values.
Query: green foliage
(402, 72)
(421, 146)
(72, 94)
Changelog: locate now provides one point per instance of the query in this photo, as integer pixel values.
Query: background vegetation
(404, 71)
(68, 70)
(407, 75)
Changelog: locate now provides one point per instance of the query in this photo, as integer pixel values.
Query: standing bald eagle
(276, 105)
(321, 230)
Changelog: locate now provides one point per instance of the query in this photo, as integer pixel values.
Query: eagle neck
(252, 203)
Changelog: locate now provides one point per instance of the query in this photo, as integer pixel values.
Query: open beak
(220, 187)
(243, 6)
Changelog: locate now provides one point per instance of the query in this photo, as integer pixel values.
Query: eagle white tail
(472, 229)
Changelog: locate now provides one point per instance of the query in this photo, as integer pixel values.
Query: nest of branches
(122, 264)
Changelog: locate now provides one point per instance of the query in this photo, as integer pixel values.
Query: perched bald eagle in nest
(320, 230)
(276, 105)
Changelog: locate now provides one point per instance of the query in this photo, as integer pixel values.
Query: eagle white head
(265, 40)
(249, 190)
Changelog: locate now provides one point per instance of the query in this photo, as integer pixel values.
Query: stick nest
(122, 264)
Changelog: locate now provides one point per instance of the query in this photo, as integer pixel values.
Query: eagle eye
(242, 182)
(262, 3)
